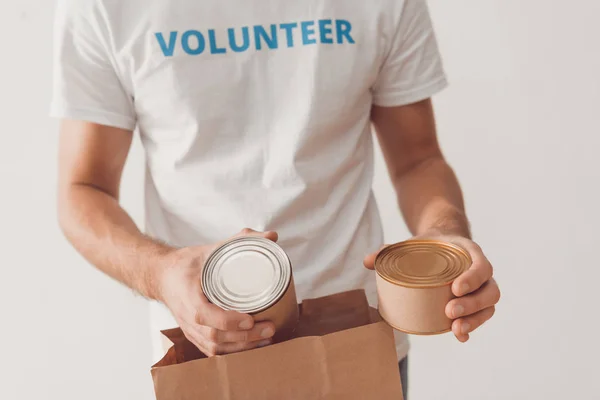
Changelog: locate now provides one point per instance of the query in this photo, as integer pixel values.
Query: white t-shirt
(254, 114)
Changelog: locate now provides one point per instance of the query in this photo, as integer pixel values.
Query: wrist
(452, 223)
(160, 259)
(446, 231)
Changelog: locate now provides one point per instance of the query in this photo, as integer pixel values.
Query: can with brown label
(253, 275)
(414, 280)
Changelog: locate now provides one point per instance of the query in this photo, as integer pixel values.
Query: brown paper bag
(343, 350)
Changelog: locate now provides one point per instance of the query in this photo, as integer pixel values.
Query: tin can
(253, 275)
(414, 284)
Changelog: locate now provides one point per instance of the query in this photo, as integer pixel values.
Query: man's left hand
(476, 290)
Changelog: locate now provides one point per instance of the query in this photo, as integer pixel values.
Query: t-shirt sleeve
(86, 85)
(412, 70)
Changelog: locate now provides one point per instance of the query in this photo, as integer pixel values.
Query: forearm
(107, 237)
(431, 199)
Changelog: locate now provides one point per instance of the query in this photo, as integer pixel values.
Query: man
(253, 114)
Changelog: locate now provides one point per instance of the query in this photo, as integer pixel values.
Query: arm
(92, 156)
(91, 161)
(431, 202)
(428, 192)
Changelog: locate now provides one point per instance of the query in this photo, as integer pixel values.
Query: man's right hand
(92, 158)
(212, 329)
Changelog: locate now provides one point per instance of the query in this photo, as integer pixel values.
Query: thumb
(273, 236)
(369, 261)
(243, 233)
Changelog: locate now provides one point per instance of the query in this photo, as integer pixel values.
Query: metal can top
(247, 275)
(422, 263)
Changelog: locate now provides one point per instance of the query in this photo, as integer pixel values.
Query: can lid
(422, 263)
(247, 275)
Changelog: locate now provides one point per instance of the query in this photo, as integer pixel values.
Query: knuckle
(477, 304)
(221, 322)
(497, 296)
(199, 318)
(244, 336)
(492, 311)
(211, 349)
(212, 335)
(472, 246)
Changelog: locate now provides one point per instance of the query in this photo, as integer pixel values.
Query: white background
(520, 124)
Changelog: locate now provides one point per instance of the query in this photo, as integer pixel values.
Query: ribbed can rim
(405, 263)
(218, 281)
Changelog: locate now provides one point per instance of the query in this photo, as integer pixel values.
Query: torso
(271, 133)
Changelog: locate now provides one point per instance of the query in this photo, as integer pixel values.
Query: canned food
(253, 275)
(414, 284)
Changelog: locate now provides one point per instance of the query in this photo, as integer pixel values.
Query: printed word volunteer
(258, 37)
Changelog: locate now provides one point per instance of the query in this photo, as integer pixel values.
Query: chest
(209, 58)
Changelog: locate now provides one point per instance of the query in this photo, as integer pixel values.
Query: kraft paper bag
(343, 350)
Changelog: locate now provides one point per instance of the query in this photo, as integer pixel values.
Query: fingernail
(465, 328)
(264, 343)
(464, 288)
(458, 310)
(267, 332)
(246, 324)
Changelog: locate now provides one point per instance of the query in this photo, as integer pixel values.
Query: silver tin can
(253, 275)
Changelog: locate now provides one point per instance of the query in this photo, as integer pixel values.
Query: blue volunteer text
(258, 37)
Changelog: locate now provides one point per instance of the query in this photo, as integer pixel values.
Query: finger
(369, 261)
(215, 317)
(228, 348)
(260, 331)
(461, 338)
(464, 326)
(488, 295)
(480, 271)
(271, 235)
(195, 337)
(195, 342)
